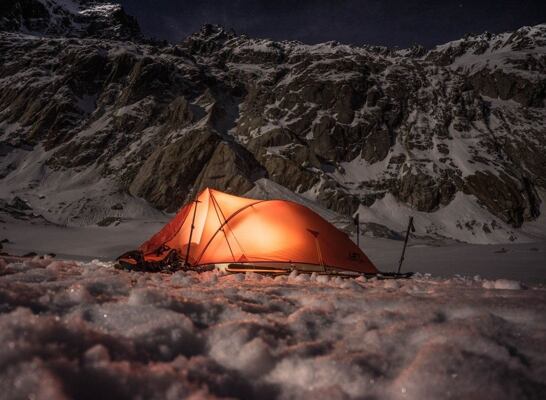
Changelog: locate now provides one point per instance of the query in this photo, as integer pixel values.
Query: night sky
(381, 22)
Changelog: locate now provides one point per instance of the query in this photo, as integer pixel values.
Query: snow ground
(86, 330)
(84, 240)
(77, 243)
(520, 261)
(82, 329)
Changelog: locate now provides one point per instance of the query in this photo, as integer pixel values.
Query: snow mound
(67, 328)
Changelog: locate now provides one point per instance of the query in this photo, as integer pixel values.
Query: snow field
(80, 330)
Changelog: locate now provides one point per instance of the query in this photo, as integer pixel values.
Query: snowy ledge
(70, 327)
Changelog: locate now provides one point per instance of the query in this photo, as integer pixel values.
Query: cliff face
(368, 129)
(68, 18)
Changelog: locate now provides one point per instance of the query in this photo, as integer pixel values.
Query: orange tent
(218, 228)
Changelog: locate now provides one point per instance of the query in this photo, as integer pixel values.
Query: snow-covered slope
(350, 129)
(520, 53)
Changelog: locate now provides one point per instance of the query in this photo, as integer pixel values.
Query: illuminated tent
(239, 232)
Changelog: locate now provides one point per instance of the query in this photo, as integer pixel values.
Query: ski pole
(412, 228)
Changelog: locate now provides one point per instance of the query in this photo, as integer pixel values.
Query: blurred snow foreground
(87, 330)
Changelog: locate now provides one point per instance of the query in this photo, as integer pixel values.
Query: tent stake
(191, 232)
(412, 228)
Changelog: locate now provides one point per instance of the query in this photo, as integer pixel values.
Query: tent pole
(225, 223)
(191, 232)
(320, 255)
(412, 228)
(214, 204)
(321, 260)
(317, 245)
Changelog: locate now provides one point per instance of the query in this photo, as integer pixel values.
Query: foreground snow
(82, 330)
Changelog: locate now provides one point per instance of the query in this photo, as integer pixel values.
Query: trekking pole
(412, 228)
(357, 223)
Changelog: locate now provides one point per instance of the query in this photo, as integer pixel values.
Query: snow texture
(87, 330)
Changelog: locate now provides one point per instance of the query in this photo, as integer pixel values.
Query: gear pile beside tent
(242, 234)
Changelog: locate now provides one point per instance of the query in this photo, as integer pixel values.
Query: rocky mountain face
(455, 135)
(68, 18)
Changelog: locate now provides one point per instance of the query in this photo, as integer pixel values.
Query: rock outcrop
(68, 18)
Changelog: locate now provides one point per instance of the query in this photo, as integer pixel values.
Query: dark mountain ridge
(438, 133)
